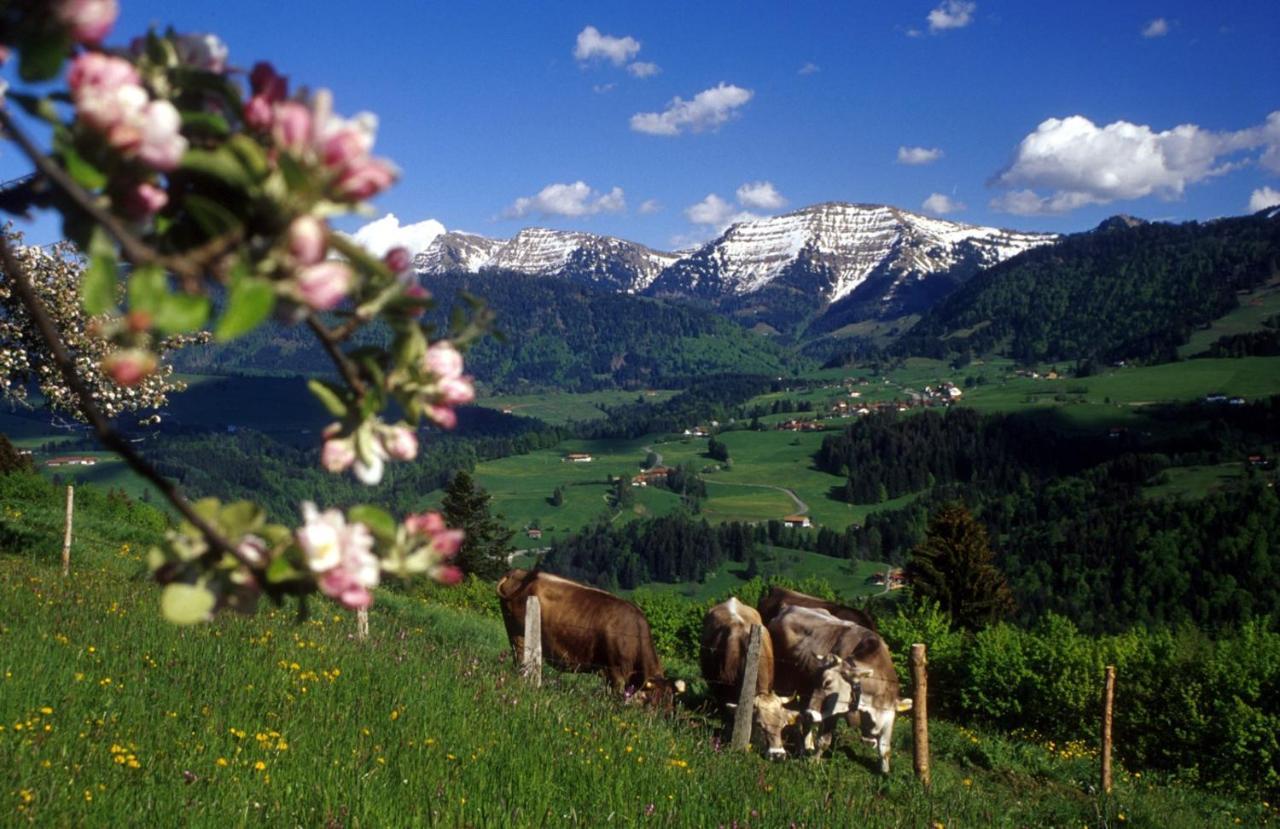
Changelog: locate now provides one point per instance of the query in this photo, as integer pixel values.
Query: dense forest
(550, 334)
(1123, 291)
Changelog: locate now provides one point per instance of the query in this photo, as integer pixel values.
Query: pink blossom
(398, 259)
(442, 416)
(456, 391)
(291, 125)
(323, 285)
(142, 200)
(447, 574)
(94, 69)
(343, 586)
(337, 454)
(161, 145)
(400, 442)
(130, 366)
(106, 90)
(89, 21)
(443, 360)
(341, 554)
(365, 179)
(257, 113)
(252, 549)
(203, 51)
(346, 145)
(427, 523)
(448, 542)
(307, 239)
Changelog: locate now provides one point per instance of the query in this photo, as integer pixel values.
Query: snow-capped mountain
(585, 258)
(855, 260)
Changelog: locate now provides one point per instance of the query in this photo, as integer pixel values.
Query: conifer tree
(954, 566)
(487, 545)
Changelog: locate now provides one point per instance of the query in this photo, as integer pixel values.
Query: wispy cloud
(761, 195)
(809, 68)
(951, 14)
(643, 69)
(915, 156)
(707, 111)
(592, 45)
(1079, 163)
(1263, 198)
(572, 200)
(716, 212)
(648, 207)
(1156, 28)
(941, 204)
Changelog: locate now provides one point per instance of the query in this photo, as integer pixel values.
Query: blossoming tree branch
(180, 178)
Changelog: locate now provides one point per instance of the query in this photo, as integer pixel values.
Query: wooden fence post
(531, 659)
(745, 711)
(1108, 699)
(66, 538)
(920, 713)
(362, 623)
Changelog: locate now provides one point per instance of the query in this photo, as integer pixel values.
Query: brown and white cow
(726, 634)
(772, 603)
(588, 630)
(841, 668)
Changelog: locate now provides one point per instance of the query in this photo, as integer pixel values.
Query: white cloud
(643, 69)
(707, 111)
(951, 14)
(383, 234)
(1080, 163)
(593, 45)
(712, 210)
(761, 195)
(941, 204)
(649, 206)
(809, 68)
(1263, 198)
(603, 88)
(918, 155)
(1156, 28)
(576, 199)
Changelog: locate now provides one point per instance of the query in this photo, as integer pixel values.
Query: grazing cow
(842, 668)
(726, 633)
(589, 630)
(772, 603)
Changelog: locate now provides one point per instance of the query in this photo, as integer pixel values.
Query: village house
(797, 521)
(579, 457)
(655, 475)
(72, 460)
(534, 532)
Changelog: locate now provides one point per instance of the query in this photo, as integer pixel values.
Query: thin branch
(109, 437)
(350, 373)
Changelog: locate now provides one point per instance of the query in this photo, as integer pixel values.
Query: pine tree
(487, 545)
(954, 567)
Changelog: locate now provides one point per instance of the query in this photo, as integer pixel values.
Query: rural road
(801, 506)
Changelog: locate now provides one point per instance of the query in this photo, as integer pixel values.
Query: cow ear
(905, 704)
(680, 686)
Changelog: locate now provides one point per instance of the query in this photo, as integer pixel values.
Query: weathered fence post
(920, 712)
(531, 659)
(1108, 699)
(747, 695)
(362, 623)
(66, 538)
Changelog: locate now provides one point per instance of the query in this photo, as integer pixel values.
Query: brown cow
(589, 630)
(726, 633)
(842, 668)
(772, 603)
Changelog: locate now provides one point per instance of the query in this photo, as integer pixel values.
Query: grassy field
(1194, 481)
(1254, 308)
(560, 408)
(109, 716)
(847, 578)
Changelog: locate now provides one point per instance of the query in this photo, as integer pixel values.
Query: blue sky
(486, 108)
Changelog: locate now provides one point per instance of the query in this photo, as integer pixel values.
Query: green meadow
(558, 409)
(110, 716)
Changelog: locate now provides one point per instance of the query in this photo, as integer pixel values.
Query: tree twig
(109, 436)
(349, 371)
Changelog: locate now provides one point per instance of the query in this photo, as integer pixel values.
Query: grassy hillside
(109, 714)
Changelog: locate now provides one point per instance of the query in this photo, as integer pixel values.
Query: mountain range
(819, 267)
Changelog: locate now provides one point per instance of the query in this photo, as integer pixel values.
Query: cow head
(772, 717)
(660, 692)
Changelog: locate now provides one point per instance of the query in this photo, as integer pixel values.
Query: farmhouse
(655, 475)
(797, 521)
(579, 457)
(533, 532)
(72, 460)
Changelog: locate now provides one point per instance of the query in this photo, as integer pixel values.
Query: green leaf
(85, 174)
(187, 604)
(280, 570)
(205, 123)
(249, 302)
(148, 289)
(98, 290)
(42, 55)
(250, 154)
(241, 517)
(378, 520)
(181, 313)
(221, 164)
(213, 218)
(329, 396)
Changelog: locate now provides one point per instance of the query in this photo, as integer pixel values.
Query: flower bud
(400, 442)
(323, 285)
(443, 360)
(257, 113)
(142, 200)
(447, 575)
(337, 454)
(426, 523)
(291, 125)
(364, 180)
(447, 543)
(442, 416)
(307, 239)
(203, 51)
(456, 391)
(398, 259)
(265, 81)
(162, 144)
(88, 21)
(129, 366)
